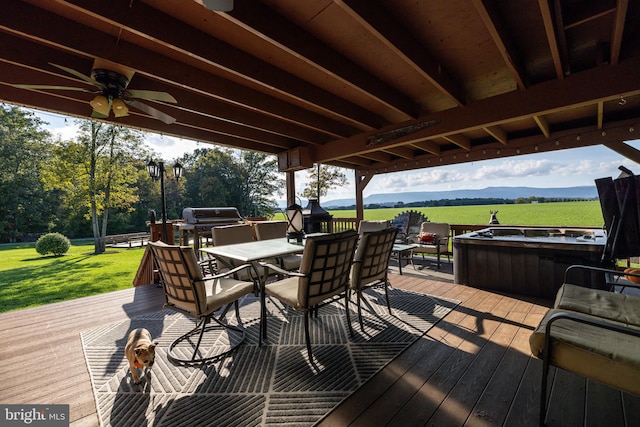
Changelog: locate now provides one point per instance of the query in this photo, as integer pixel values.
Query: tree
(260, 181)
(97, 173)
(330, 177)
(213, 180)
(25, 206)
(244, 179)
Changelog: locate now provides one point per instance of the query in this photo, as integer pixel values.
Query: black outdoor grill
(199, 222)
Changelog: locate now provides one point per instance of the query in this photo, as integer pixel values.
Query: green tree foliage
(213, 180)
(96, 183)
(260, 181)
(245, 180)
(24, 145)
(328, 177)
(97, 173)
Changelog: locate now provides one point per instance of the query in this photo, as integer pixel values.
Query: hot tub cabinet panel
(524, 261)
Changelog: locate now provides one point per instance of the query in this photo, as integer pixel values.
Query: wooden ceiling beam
(543, 125)
(223, 115)
(549, 28)
(460, 140)
(261, 21)
(357, 161)
(603, 83)
(402, 152)
(142, 20)
(380, 24)
(83, 42)
(600, 114)
(492, 21)
(377, 156)
(78, 108)
(428, 146)
(563, 140)
(561, 37)
(625, 150)
(618, 29)
(498, 133)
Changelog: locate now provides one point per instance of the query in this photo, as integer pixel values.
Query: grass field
(583, 214)
(28, 279)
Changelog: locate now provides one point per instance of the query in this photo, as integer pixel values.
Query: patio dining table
(252, 253)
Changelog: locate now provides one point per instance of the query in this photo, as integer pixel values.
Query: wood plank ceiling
(375, 86)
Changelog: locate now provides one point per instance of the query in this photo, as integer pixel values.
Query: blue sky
(566, 168)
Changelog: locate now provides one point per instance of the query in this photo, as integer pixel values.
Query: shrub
(53, 243)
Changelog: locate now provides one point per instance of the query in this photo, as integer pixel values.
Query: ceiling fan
(112, 92)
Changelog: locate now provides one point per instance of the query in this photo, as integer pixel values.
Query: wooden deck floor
(473, 368)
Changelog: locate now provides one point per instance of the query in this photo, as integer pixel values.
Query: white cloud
(169, 147)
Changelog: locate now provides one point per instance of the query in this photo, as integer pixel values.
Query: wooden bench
(594, 333)
(128, 238)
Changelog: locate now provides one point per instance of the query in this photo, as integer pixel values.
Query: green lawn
(28, 279)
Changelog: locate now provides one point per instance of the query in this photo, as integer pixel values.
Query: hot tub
(528, 261)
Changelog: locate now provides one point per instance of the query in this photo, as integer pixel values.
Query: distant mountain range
(581, 192)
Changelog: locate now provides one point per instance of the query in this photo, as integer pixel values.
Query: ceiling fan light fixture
(119, 108)
(100, 104)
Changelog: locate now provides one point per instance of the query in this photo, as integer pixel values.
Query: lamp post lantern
(156, 171)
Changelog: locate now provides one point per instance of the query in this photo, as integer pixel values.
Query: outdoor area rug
(272, 384)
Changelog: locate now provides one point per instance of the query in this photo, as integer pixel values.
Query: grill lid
(210, 215)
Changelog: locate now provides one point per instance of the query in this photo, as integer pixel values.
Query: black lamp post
(156, 171)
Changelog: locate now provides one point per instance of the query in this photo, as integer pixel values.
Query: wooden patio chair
(371, 263)
(189, 292)
(324, 274)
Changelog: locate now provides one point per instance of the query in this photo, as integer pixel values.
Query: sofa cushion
(606, 356)
(608, 305)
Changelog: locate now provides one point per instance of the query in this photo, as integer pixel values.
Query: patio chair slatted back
(324, 274)
(326, 264)
(266, 230)
(371, 264)
(371, 260)
(181, 278)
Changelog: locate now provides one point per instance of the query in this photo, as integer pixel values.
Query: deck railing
(342, 224)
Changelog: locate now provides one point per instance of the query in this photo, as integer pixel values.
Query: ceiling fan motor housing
(114, 83)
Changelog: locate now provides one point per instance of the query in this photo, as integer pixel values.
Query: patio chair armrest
(229, 272)
(613, 272)
(280, 270)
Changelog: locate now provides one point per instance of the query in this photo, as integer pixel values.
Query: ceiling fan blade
(151, 94)
(79, 75)
(219, 5)
(78, 89)
(157, 114)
